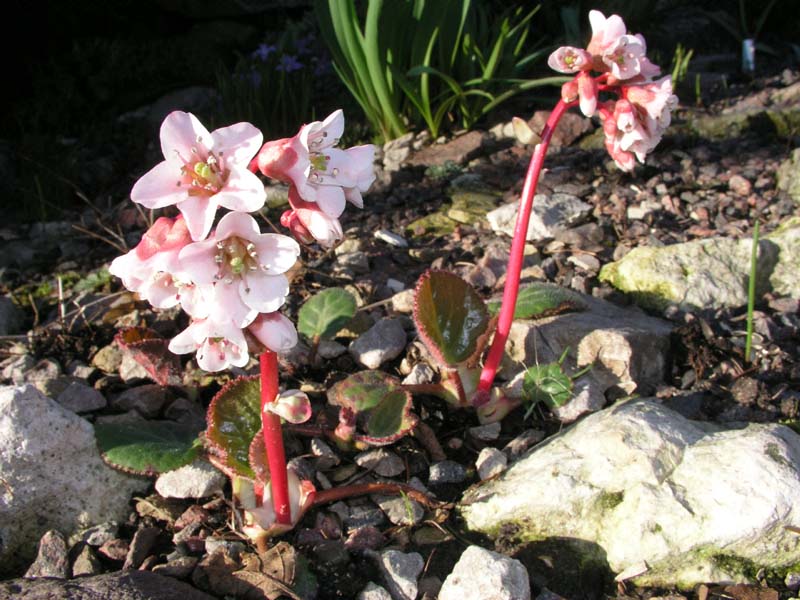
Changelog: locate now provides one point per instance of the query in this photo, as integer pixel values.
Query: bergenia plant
(613, 80)
(231, 281)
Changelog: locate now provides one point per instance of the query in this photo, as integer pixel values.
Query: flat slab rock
(122, 585)
(710, 273)
(638, 482)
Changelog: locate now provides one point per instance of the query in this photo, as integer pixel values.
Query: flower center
(205, 177)
(235, 256)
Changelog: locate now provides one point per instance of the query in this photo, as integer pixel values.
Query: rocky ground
(662, 257)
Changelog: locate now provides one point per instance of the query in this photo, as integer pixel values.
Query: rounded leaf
(542, 300)
(450, 316)
(149, 447)
(325, 313)
(547, 383)
(234, 418)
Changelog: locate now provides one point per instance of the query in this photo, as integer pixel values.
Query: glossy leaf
(378, 405)
(450, 316)
(151, 351)
(149, 447)
(326, 313)
(547, 383)
(234, 418)
(542, 300)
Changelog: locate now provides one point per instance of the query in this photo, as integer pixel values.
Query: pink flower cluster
(231, 279)
(321, 178)
(635, 122)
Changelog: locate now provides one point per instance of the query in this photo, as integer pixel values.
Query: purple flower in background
(263, 51)
(323, 66)
(303, 44)
(289, 63)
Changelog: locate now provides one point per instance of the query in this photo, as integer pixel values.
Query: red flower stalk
(273, 438)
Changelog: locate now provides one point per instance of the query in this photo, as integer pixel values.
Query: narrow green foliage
(450, 317)
(751, 293)
(549, 384)
(542, 300)
(149, 447)
(680, 63)
(234, 418)
(326, 313)
(429, 63)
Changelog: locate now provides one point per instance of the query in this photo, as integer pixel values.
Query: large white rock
(52, 476)
(639, 482)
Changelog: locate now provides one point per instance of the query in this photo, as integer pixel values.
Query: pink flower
(587, 93)
(614, 49)
(291, 405)
(152, 268)
(218, 345)
(274, 331)
(605, 32)
(656, 98)
(308, 223)
(202, 171)
(570, 60)
(321, 173)
(245, 266)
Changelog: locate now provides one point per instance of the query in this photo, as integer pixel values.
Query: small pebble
(446, 471)
(490, 462)
(486, 433)
(391, 238)
(381, 461)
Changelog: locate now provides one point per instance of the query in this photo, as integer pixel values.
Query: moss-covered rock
(709, 273)
(789, 176)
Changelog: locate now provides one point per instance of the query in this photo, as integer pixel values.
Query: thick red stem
(511, 289)
(273, 439)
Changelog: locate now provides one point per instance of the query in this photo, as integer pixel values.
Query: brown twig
(425, 436)
(362, 489)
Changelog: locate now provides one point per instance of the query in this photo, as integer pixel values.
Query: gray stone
(97, 535)
(481, 574)
(232, 548)
(373, 592)
(16, 367)
(421, 373)
(400, 572)
(180, 567)
(10, 316)
(792, 581)
(53, 476)
(490, 462)
(121, 585)
(108, 359)
(710, 273)
(199, 479)
(382, 342)
(364, 516)
(627, 349)
(396, 151)
(130, 370)
(86, 563)
(485, 433)
(148, 400)
(188, 412)
(51, 560)
(45, 370)
(551, 215)
(80, 398)
(446, 471)
(391, 238)
(403, 302)
(383, 462)
(516, 447)
(329, 349)
(141, 544)
(326, 458)
(400, 510)
(693, 493)
(788, 176)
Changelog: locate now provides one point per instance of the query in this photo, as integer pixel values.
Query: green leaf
(326, 313)
(234, 418)
(149, 447)
(542, 300)
(450, 316)
(381, 406)
(547, 383)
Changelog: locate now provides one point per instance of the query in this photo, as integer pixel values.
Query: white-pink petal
(243, 191)
(237, 224)
(180, 133)
(238, 142)
(276, 253)
(263, 293)
(291, 405)
(199, 212)
(197, 261)
(161, 186)
(274, 331)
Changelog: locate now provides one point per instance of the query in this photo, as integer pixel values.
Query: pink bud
(276, 158)
(569, 91)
